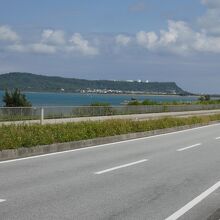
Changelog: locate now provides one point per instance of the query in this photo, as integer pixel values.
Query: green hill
(40, 83)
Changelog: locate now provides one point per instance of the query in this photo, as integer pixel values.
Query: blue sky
(155, 40)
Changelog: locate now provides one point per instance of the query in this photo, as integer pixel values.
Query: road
(165, 177)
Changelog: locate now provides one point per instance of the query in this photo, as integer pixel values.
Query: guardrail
(41, 113)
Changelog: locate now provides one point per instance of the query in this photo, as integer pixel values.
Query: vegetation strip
(17, 136)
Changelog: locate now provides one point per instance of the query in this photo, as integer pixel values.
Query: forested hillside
(40, 83)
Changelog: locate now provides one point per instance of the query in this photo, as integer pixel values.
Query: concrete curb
(46, 149)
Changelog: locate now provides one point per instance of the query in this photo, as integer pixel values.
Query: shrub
(145, 102)
(15, 136)
(15, 99)
(100, 104)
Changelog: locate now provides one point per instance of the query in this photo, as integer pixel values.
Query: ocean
(78, 99)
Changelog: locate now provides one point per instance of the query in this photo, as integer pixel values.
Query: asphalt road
(171, 176)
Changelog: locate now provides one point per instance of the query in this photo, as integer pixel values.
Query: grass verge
(16, 136)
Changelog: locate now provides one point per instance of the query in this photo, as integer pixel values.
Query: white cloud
(56, 37)
(122, 40)
(206, 43)
(179, 39)
(53, 41)
(18, 48)
(7, 34)
(33, 48)
(210, 21)
(147, 39)
(173, 33)
(81, 45)
(42, 48)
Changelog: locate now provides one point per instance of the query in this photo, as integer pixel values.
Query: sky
(155, 40)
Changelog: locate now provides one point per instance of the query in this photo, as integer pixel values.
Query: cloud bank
(7, 34)
(122, 40)
(51, 42)
(179, 37)
(79, 44)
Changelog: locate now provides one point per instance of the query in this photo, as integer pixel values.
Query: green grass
(16, 136)
(149, 102)
(145, 102)
(209, 102)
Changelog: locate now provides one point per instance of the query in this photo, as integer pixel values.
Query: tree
(204, 98)
(15, 99)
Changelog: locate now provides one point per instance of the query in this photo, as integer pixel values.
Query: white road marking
(217, 138)
(103, 145)
(121, 166)
(193, 203)
(192, 146)
(2, 200)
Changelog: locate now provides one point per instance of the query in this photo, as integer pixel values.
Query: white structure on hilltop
(139, 81)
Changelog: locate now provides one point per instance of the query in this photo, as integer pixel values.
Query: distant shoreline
(83, 99)
(107, 94)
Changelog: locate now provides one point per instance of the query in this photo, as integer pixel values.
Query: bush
(100, 104)
(204, 98)
(145, 102)
(15, 99)
(15, 136)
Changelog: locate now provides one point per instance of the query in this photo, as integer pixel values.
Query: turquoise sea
(77, 99)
